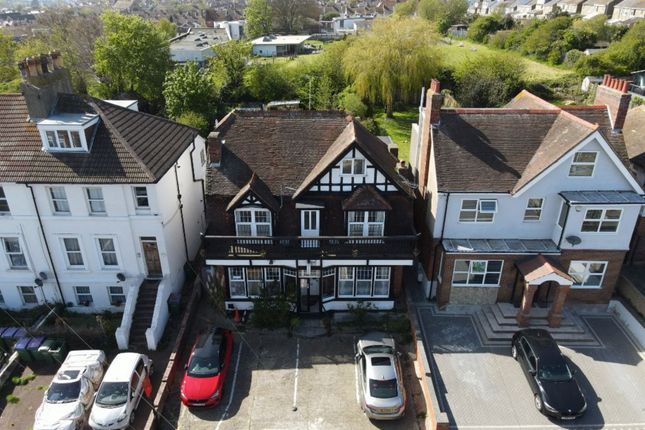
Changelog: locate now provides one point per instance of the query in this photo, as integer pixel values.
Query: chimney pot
(614, 94)
(57, 59)
(625, 87)
(435, 86)
(605, 79)
(31, 67)
(45, 63)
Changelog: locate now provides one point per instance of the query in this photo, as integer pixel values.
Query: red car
(207, 368)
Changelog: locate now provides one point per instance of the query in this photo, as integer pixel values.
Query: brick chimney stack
(431, 118)
(613, 93)
(214, 148)
(44, 77)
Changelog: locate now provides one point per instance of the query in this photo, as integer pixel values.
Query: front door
(309, 295)
(151, 256)
(310, 227)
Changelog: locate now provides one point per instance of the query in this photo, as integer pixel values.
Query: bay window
(477, 273)
(587, 274)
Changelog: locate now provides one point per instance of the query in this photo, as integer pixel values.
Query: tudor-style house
(100, 205)
(308, 204)
(529, 202)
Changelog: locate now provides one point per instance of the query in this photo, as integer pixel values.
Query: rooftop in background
(197, 41)
(280, 40)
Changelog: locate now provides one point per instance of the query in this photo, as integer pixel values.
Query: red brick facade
(511, 283)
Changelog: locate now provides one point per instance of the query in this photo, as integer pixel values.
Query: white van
(120, 392)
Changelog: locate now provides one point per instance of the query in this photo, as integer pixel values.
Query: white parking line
(356, 373)
(230, 397)
(295, 382)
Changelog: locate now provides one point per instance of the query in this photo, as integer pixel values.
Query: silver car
(382, 393)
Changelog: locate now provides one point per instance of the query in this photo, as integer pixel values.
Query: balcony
(325, 247)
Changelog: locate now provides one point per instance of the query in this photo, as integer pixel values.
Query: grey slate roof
(493, 246)
(603, 197)
(128, 146)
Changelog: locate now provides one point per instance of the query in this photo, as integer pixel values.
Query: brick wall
(511, 283)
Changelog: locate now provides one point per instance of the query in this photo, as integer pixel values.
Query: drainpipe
(443, 227)
(192, 169)
(181, 213)
(49, 254)
(564, 227)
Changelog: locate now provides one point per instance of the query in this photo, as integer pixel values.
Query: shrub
(271, 312)
(12, 399)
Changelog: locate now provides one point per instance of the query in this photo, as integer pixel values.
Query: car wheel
(514, 351)
(151, 369)
(131, 420)
(539, 405)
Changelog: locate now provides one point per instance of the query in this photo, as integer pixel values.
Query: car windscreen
(378, 349)
(203, 367)
(112, 394)
(385, 389)
(62, 393)
(554, 372)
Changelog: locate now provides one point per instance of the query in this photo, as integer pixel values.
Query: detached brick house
(529, 202)
(309, 204)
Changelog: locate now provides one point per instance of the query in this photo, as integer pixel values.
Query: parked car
(555, 390)
(68, 398)
(118, 396)
(380, 378)
(207, 367)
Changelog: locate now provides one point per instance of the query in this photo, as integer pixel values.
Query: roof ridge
(497, 110)
(540, 100)
(126, 145)
(576, 118)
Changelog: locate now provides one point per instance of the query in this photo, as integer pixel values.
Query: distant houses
(197, 44)
(277, 46)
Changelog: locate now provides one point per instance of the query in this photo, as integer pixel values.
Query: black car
(556, 392)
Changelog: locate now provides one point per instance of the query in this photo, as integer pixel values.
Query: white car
(120, 392)
(69, 396)
(380, 378)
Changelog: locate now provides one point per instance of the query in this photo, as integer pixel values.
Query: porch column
(527, 301)
(555, 313)
(397, 280)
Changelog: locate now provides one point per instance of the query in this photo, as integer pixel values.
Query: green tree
(258, 17)
(266, 82)
(168, 28)
(290, 16)
(189, 88)
(443, 12)
(483, 26)
(195, 120)
(227, 67)
(131, 56)
(352, 104)
(488, 80)
(620, 58)
(544, 38)
(8, 69)
(392, 61)
(407, 8)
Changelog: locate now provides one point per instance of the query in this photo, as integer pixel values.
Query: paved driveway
(484, 388)
(286, 383)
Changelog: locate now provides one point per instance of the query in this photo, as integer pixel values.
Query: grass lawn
(535, 71)
(399, 128)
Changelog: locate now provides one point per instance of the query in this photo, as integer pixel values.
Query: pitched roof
(539, 266)
(366, 198)
(128, 146)
(634, 135)
(260, 190)
(281, 147)
(506, 148)
(371, 146)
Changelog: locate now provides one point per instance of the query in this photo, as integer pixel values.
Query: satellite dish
(120, 277)
(573, 240)
(43, 275)
(38, 282)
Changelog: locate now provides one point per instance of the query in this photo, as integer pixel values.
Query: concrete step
(512, 326)
(504, 318)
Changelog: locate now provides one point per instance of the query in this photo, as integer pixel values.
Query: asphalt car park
(278, 382)
(483, 387)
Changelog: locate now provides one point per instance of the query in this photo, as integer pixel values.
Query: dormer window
(353, 166)
(583, 164)
(253, 222)
(66, 132)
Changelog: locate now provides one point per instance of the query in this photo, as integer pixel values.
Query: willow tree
(393, 60)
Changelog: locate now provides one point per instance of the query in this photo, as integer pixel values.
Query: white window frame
(365, 223)
(382, 278)
(78, 295)
(602, 220)
(352, 163)
(585, 274)
(54, 142)
(22, 294)
(66, 252)
(329, 272)
(252, 224)
(16, 253)
(237, 280)
(255, 281)
(369, 280)
(478, 211)
(112, 295)
(101, 253)
(136, 196)
(268, 280)
(94, 200)
(533, 213)
(575, 164)
(55, 200)
(4, 203)
(351, 277)
(471, 271)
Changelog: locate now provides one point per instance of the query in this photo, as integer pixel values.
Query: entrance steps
(496, 325)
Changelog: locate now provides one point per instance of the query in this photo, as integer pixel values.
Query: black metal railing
(311, 247)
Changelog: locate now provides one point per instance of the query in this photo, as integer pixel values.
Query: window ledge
(474, 286)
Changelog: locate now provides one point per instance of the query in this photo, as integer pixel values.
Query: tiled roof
(260, 190)
(128, 146)
(535, 268)
(502, 150)
(366, 198)
(634, 135)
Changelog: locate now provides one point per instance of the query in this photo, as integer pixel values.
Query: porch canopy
(536, 271)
